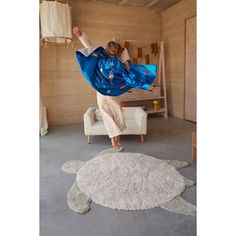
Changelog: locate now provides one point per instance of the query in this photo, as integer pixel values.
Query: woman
(111, 73)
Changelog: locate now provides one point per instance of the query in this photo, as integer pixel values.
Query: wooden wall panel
(173, 34)
(190, 70)
(64, 91)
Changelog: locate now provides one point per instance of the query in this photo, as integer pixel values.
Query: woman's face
(113, 48)
(112, 52)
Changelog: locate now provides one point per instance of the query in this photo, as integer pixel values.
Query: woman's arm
(125, 58)
(82, 37)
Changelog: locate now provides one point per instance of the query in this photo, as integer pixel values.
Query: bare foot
(116, 143)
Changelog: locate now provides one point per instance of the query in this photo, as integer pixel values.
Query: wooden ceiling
(156, 5)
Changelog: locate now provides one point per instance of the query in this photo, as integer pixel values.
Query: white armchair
(135, 120)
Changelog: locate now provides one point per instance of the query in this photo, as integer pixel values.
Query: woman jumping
(110, 72)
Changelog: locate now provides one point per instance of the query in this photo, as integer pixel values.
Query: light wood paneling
(47, 58)
(65, 92)
(190, 70)
(173, 34)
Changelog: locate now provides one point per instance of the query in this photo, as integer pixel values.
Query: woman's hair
(114, 48)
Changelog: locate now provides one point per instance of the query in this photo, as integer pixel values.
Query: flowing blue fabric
(109, 76)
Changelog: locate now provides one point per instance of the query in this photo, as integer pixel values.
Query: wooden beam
(123, 2)
(152, 3)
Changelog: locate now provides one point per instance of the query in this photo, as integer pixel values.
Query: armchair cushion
(135, 120)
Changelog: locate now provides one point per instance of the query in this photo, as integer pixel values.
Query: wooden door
(190, 70)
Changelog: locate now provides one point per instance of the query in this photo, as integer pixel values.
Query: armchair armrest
(88, 119)
(141, 118)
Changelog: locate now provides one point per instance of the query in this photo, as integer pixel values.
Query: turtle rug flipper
(107, 151)
(73, 166)
(177, 164)
(188, 182)
(180, 206)
(78, 201)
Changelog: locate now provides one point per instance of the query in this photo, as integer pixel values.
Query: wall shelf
(160, 110)
(158, 92)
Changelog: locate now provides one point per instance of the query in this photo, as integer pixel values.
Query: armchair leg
(89, 139)
(142, 138)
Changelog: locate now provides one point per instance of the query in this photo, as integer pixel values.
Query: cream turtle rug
(128, 181)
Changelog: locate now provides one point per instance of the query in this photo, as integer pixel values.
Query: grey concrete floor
(167, 139)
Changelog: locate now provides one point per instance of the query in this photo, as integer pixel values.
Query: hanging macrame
(153, 48)
(135, 60)
(55, 22)
(156, 49)
(139, 52)
(147, 59)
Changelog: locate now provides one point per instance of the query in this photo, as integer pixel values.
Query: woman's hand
(77, 31)
(127, 65)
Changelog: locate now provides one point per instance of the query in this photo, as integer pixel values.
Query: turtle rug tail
(180, 206)
(78, 201)
(72, 167)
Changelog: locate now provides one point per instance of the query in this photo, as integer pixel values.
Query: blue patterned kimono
(109, 76)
